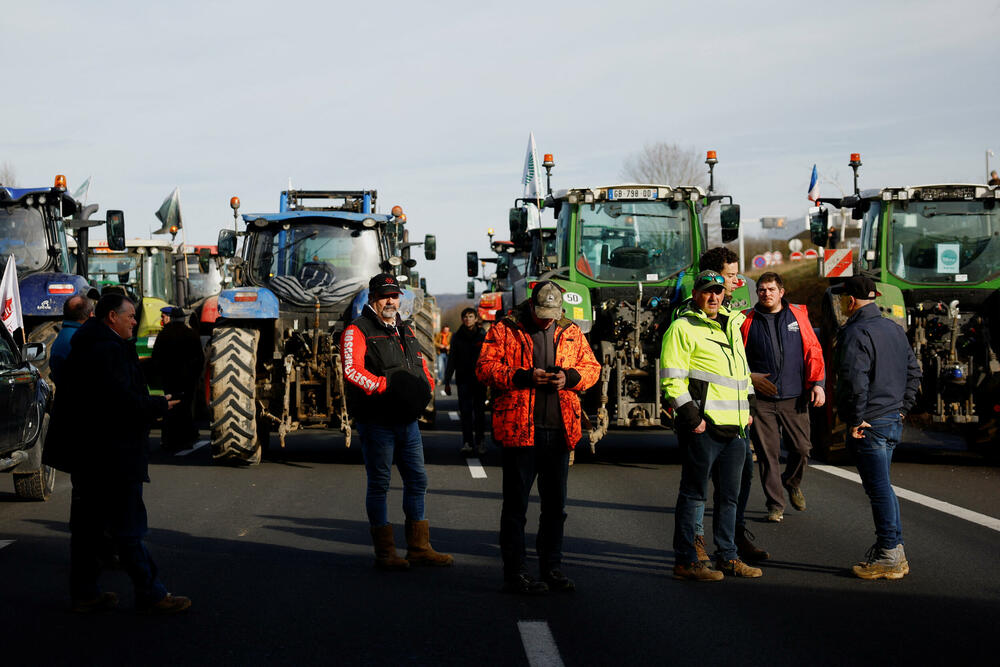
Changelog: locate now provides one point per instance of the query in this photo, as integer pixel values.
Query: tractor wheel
(37, 484)
(46, 333)
(234, 382)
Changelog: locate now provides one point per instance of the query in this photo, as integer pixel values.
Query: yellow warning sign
(577, 313)
(897, 311)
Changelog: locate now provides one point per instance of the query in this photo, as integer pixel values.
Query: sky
(432, 103)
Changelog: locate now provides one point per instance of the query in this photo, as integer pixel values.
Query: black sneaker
(522, 584)
(557, 581)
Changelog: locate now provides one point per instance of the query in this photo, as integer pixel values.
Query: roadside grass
(802, 285)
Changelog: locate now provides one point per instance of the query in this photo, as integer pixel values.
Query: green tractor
(626, 256)
(934, 253)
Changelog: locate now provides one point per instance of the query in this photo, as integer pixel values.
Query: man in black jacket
(388, 385)
(465, 346)
(178, 359)
(877, 381)
(109, 463)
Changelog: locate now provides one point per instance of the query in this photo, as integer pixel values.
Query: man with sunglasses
(706, 380)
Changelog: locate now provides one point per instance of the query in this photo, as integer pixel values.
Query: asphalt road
(278, 561)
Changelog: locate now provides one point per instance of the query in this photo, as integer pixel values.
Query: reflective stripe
(718, 404)
(673, 372)
(721, 380)
(681, 400)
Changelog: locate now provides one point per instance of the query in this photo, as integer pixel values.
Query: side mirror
(227, 243)
(472, 264)
(819, 223)
(470, 290)
(858, 212)
(204, 260)
(34, 351)
(518, 219)
(430, 247)
(729, 220)
(115, 230)
(503, 266)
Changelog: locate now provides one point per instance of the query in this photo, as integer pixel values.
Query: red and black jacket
(373, 353)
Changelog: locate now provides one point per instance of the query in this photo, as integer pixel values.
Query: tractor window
(159, 277)
(945, 242)
(22, 234)
(634, 241)
(315, 255)
(111, 270)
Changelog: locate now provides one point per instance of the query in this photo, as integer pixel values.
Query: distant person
(442, 343)
(726, 263)
(994, 178)
(77, 310)
(465, 347)
(179, 360)
(788, 374)
(100, 434)
(537, 361)
(877, 381)
(388, 385)
(705, 379)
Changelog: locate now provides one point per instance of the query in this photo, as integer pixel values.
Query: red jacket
(815, 370)
(508, 349)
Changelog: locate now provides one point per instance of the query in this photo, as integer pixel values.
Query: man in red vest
(786, 366)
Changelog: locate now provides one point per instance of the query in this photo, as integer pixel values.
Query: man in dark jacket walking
(108, 464)
(877, 381)
(465, 346)
(388, 386)
(178, 359)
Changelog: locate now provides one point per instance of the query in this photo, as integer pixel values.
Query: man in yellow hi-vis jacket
(705, 379)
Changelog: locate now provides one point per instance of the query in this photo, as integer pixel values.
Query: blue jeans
(548, 460)
(873, 457)
(378, 444)
(442, 364)
(699, 451)
(741, 501)
(103, 509)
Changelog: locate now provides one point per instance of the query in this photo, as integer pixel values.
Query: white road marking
(6, 543)
(539, 645)
(197, 445)
(454, 416)
(476, 468)
(921, 499)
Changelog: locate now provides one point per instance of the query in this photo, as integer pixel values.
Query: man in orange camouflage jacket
(537, 361)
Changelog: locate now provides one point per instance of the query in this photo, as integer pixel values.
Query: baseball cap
(708, 280)
(546, 298)
(384, 284)
(860, 287)
(172, 312)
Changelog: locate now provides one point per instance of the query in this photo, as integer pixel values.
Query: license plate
(632, 193)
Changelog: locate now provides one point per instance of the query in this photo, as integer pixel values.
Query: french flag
(814, 186)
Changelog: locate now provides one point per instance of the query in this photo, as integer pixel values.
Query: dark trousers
(548, 460)
(472, 408)
(179, 431)
(102, 508)
(772, 420)
(699, 451)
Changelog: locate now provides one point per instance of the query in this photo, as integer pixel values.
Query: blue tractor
(34, 223)
(301, 277)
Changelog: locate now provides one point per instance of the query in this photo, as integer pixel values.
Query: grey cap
(546, 299)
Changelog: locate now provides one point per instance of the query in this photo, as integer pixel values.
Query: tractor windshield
(116, 271)
(158, 278)
(22, 234)
(633, 241)
(314, 257)
(202, 284)
(945, 242)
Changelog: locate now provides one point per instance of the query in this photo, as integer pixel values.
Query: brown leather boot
(385, 550)
(418, 546)
(699, 548)
(747, 549)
